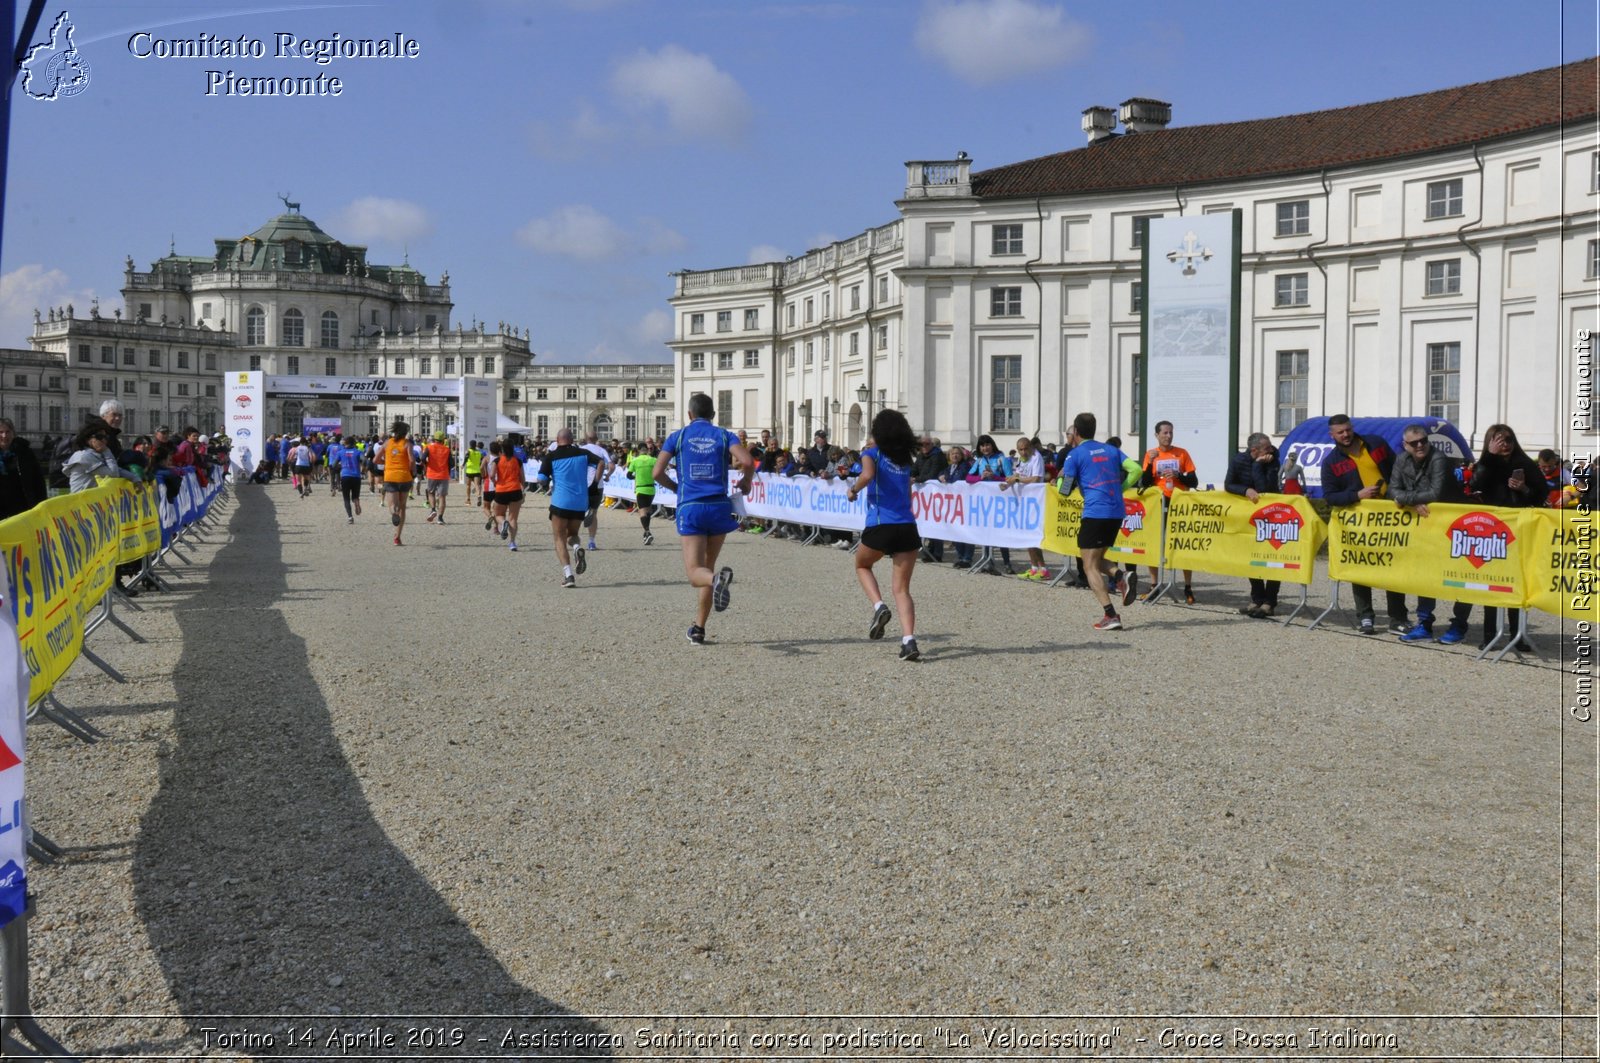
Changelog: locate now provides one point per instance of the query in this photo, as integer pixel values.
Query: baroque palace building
(631, 403)
(1435, 255)
(289, 300)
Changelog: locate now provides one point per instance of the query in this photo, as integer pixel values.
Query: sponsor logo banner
(1456, 553)
(13, 713)
(1276, 537)
(1558, 562)
(1138, 542)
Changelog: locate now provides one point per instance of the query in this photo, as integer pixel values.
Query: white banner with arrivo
(984, 514)
(13, 823)
(620, 485)
(244, 398)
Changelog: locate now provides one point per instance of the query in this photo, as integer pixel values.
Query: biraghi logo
(1480, 538)
(1276, 524)
(1132, 516)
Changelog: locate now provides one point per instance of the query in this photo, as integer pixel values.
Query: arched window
(294, 329)
(255, 327)
(602, 427)
(330, 329)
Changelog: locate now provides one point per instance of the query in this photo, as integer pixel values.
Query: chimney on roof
(1140, 115)
(1100, 123)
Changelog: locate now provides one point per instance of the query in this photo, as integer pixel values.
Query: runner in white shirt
(597, 493)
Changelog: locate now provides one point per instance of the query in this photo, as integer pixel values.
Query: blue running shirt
(567, 467)
(704, 457)
(1098, 470)
(889, 493)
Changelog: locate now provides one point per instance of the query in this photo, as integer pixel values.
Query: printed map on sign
(1190, 332)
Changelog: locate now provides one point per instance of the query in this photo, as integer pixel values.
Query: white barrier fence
(983, 514)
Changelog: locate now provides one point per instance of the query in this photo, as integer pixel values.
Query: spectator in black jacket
(929, 463)
(1252, 473)
(1506, 476)
(1356, 469)
(1423, 475)
(21, 479)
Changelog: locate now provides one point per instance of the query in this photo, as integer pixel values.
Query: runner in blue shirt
(349, 477)
(567, 468)
(1095, 470)
(891, 525)
(705, 512)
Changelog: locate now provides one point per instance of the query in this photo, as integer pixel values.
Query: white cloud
(373, 218)
(584, 233)
(985, 41)
(654, 327)
(699, 100)
(585, 135)
(762, 253)
(32, 286)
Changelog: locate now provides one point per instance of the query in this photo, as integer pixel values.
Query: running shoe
(505, 529)
(1419, 633)
(1454, 634)
(697, 635)
(513, 546)
(358, 507)
(720, 594)
(909, 651)
(649, 540)
(1109, 623)
(1188, 595)
(880, 620)
(1129, 584)
(350, 520)
(488, 524)
(394, 518)
(430, 519)
(568, 582)
(581, 564)
(592, 546)
(397, 541)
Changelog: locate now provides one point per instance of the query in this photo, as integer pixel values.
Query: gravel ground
(345, 779)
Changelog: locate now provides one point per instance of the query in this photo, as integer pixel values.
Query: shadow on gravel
(264, 883)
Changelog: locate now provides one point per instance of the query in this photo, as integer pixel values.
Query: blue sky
(561, 157)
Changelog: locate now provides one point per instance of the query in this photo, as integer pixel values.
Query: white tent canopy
(502, 424)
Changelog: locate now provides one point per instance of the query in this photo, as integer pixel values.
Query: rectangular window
(630, 426)
(788, 316)
(144, 310)
(541, 394)
(827, 350)
(724, 408)
(108, 355)
(55, 418)
(85, 384)
(1444, 277)
(1292, 289)
(294, 364)
(516, 393)
(488, 363)
(155, 387)
(661, 428)
(183, 389)
(53, 383)
(599, 394)
(661, 393)
(1294, 376)
(468, 365)
(883, 289)
(399, 365)
(374, 317)
(697, 362)
(883, 337)
(1140, 223)
(827, 305)
(83, 352)
(724, 360)
(789, 358)
(450, 365)
(130, 387)
(19, 381)
(330, 367)
(1594, 260)
(855, 344)
(543, 425)
(183, 359)
(205, 309)
(1005, 393)
(811, 352)
(255, 363)
(128, 356)
(1444, 380)
(426, 365)
(630, 394)
(108, 387)
(572, 394)
(1005, 302)
(430, 321)
(697, 324)
(572, 422)
(211, 391)
(1006, 240)
(1594, 172)
(372, 367)
(1294, 219)
(211, 360)
(855, 297)
(1136, 297)
(811, 311)
(724, 320)
(752, 359)
(155, 359)
(752, 320)
(1444, 198)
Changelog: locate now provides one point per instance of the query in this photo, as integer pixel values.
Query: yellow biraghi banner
(139, 520)
(1560, 562)
(1140, 538)
(1275, 537)
(1458, 553)
(61, 558)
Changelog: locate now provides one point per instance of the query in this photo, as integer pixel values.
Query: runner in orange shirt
(440, 464)
(1172, 469)
(397, 476)
(506, 474)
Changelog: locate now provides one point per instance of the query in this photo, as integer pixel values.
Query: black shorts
(488, 496)
(1098, 533)
(557, 513)
(892, 538)
(508, 498)
(644, 500)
